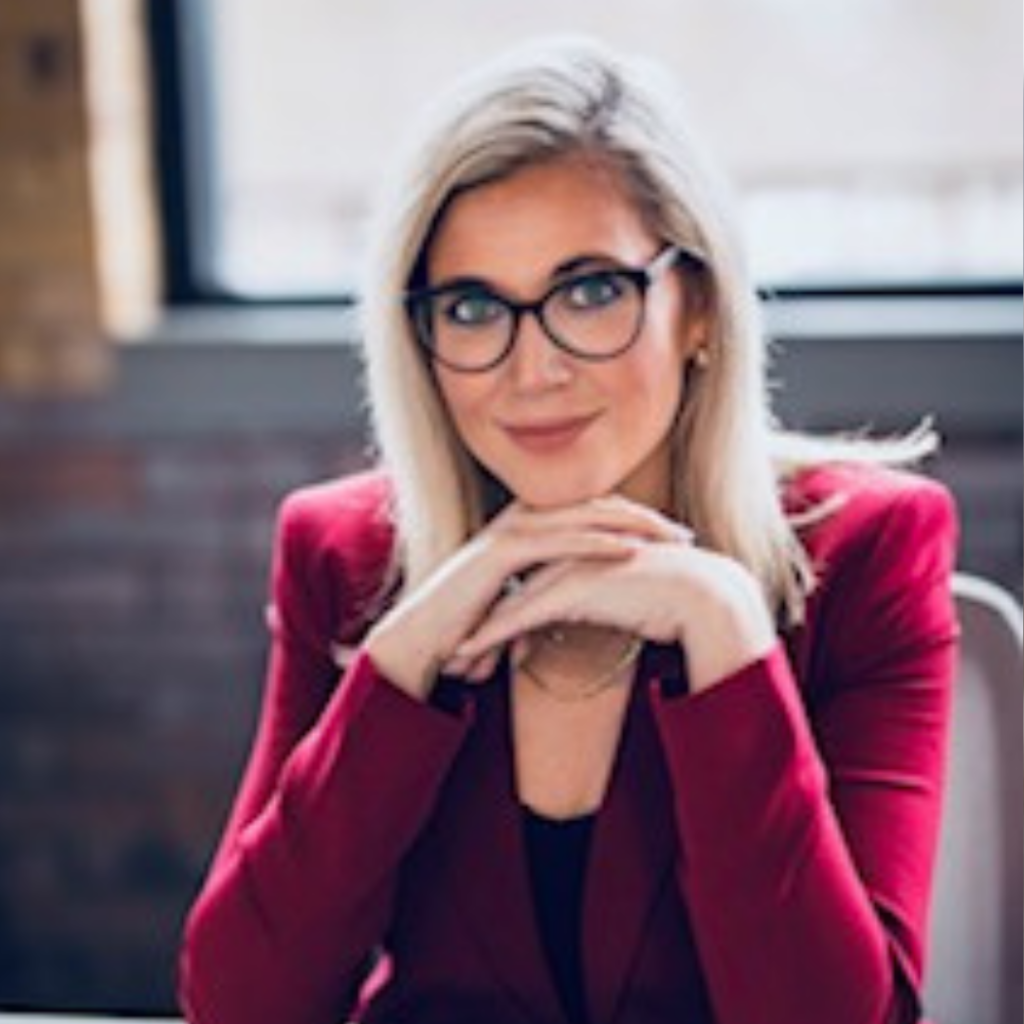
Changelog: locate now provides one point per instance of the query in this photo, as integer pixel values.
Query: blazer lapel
(493, 891)
(634, 849)
(631, 859)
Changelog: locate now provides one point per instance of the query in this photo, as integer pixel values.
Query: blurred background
(183, 193)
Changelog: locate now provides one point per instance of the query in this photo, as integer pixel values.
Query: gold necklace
(599, 685)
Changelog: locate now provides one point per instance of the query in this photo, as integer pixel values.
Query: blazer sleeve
(341, 779)
(808, 818)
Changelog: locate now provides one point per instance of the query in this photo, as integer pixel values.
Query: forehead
(515, 231)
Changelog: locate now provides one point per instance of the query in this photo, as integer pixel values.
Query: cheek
(652, 382)
(657, 365)
(466, 399)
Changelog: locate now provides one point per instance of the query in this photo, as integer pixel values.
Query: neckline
(533, 816)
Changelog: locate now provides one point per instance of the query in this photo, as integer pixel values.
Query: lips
(548, 435)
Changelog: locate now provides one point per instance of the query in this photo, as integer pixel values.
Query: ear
(696, 327)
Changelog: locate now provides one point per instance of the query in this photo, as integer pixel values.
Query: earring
(702, 357)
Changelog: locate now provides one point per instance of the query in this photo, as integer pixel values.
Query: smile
(549, 435)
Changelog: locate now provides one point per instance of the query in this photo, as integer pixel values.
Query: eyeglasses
(595, 315)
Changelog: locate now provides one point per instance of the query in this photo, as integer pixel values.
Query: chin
(557, 491)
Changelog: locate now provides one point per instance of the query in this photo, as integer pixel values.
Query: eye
(471, 309)
(593, 291)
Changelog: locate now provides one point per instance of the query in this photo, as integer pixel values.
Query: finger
(517, 617)
(510, 608)
(613, 513)
(477, 668)
(457, 665)
(580, 541)
(520, 649)
(484, 666)
(527, 586)
(530, 555)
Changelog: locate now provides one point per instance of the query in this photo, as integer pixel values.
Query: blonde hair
(551, 99)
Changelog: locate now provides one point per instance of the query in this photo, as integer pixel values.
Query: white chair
(975, 967)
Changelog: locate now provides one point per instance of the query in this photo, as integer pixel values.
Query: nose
(536, 363)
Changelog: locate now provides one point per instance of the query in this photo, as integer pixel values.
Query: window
(876, 144)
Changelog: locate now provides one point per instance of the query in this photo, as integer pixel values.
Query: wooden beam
(78, 235)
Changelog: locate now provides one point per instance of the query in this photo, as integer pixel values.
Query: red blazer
(763, 856)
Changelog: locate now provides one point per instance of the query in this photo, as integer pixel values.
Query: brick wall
(134, 537)
(131, 652)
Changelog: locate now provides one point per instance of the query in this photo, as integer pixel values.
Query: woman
(602, 700)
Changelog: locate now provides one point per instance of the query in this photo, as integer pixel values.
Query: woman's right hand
(415, 639)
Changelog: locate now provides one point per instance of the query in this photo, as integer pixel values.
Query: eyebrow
(575, 263)
(564, 269)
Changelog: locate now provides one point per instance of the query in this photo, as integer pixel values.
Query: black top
(557, 854)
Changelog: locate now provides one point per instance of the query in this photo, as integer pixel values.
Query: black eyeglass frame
(416, 302)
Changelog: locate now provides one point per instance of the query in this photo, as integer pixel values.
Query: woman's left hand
(669, 590)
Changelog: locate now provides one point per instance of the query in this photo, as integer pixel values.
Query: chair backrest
(975, 964)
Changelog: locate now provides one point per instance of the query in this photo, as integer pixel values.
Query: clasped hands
(608, 562)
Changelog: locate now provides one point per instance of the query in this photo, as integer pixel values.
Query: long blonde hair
(550, 99)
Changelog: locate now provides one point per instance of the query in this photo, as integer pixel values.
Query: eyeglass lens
(594, 316)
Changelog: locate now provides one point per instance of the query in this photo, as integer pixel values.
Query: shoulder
(883, 546)
(333, 550)
(842, 510)
(335, 513)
